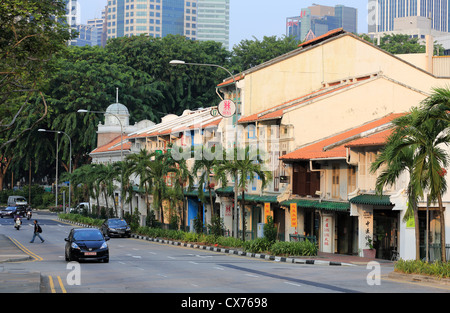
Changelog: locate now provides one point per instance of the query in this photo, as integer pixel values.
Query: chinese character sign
(266, 211)
(227, 108)
(293, 208)
(327, 233)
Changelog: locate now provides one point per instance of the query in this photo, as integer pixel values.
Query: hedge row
(259, 245)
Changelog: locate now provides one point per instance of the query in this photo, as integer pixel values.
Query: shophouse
(330, 89)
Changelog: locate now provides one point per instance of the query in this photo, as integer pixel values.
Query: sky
(253, 18)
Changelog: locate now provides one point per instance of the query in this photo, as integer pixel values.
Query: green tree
(246, 163)
(139, 164)
(250, 53)
(32, 33)
(394, 159)
(208, 166)
(421, 140)
(436, 110)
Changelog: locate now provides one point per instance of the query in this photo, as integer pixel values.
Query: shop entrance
(347, 234)
(385, 232)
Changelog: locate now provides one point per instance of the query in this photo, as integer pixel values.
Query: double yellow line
(52, 285)
(26, 250)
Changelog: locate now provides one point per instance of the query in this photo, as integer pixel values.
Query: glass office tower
(195, 19)
(381, 13)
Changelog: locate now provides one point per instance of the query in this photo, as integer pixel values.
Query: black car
(116, 227)
(86, 244)
(13, 211)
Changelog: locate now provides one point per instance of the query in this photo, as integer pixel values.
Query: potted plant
(369, 253)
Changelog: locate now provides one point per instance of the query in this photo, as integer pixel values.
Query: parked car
(116, 227)
(86, 244)
(13, 211)
(17, 201)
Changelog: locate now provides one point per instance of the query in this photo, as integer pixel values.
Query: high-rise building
(195, 19)
(317, 20)
(214, 21)
(382, 13)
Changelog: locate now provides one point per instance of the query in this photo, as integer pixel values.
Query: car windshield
(93, 235)
(117, 223)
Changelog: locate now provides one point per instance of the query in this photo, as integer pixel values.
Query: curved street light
(180, 62)
(70, 161)
(121, 150)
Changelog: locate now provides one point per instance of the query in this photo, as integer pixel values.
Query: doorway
(385, 233)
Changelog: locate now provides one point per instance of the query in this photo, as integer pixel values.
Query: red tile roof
(114, 145)
(330, 34)
(316, 150)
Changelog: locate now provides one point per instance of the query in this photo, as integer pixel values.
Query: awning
(257, 198)
(372, 200)
(194, 193)
(320, 205)
(225, 190)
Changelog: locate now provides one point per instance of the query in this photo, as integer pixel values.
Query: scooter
(29, 214)
(17, 223)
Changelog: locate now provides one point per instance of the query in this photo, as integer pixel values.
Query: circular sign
(227, 108)
(214, 112)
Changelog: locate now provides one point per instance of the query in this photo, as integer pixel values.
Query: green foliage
(438, 269)
(258, 245)
(250, 53)
(217, 226)
(297, 248)
(270, 231)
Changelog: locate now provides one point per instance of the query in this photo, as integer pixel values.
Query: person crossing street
(37, 232)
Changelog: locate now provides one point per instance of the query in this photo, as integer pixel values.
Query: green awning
(257, 198)
(372, 200)
(320, 205)
(225, 190)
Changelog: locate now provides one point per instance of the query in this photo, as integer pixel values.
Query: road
(139, 266)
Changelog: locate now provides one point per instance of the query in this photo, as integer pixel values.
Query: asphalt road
(138, 266)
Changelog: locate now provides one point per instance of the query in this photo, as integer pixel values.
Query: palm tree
(160, 166)
(139, 164)
(420, 140)
(246, 164)
(395, 160)
(208, 168)
(436, 108)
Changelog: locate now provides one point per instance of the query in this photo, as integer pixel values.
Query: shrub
(438, 269)
(299, 248)
(270, 231)
(258, 245)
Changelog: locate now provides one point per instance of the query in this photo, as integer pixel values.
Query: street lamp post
(70, 161)
(179, 62)
(121, 150)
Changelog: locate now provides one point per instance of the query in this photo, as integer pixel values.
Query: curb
(266, 257)
(417, 278)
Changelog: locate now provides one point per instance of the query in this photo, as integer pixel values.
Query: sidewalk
(16, 281)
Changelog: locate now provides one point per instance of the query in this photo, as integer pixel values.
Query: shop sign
(293, 207)
(228, 210)
(267, 211)
(327, 233)
(226, 108)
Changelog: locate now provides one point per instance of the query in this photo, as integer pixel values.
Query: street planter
(369, 253)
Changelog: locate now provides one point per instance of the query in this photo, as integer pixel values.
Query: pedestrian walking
(37, 232)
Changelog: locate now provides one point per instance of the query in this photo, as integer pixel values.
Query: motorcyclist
(29, 214)
(17, 222)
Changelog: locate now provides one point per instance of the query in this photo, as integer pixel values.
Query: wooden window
(335, 181)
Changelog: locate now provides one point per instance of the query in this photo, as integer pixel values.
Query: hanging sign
(266, 211)
(293, 207)
(227, 108)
